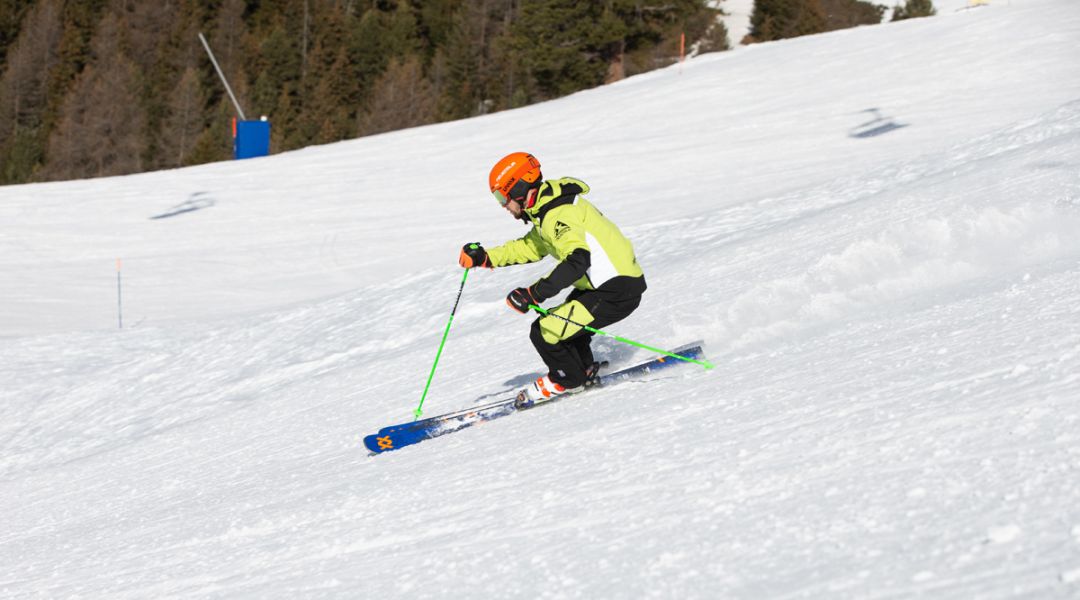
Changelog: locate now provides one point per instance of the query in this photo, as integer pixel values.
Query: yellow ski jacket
(590, 248)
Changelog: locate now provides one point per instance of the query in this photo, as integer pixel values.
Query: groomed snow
(874, 231)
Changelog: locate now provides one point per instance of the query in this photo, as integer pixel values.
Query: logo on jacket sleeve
(560, 229)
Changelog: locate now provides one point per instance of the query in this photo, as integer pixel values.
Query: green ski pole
(704, 363)
(418, 411)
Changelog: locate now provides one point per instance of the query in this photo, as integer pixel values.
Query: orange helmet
(513, 177)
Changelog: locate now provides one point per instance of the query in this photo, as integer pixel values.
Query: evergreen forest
(92, 88)
(105, 87)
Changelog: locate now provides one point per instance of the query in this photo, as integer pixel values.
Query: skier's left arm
(572, 268)
(570, 243)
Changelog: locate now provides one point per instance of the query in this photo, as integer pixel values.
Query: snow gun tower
(250, 138)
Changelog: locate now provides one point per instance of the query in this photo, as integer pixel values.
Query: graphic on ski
(394, 437)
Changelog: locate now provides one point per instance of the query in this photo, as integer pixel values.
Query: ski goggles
(518, 191)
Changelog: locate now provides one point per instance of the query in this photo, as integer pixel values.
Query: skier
(593, 256)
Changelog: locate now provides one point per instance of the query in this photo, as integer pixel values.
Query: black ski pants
(568, 359)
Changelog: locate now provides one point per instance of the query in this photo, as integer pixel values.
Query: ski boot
(541, 390)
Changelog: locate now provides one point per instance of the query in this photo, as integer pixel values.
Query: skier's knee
(564, 321)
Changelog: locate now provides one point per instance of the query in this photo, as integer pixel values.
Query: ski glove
(473, 255)
(521, 298)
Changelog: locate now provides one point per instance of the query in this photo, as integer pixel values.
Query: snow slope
(875, 232)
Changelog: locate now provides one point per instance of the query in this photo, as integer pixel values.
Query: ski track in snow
(894, 319)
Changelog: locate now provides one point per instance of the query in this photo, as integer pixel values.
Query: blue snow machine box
(251, 138)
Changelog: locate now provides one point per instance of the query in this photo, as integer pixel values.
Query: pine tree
(558, 44)
(326, 111)
(565, 46)
(510, 84)
(23, 92)
(435, 19)
(402, 98)
(183, 122)
(781, 19)
(464, 60)
(714, 39)
(81, 21)
(102, 125)
(11, 17)
(214, 143)
(377, 37)
(278, 66)
(150, 40)
(913, 9)
(842, 14)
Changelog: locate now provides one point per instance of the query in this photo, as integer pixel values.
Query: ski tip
(377, 444)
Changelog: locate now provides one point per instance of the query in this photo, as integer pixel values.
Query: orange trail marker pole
(682, 50)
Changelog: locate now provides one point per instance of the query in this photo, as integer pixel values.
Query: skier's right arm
(523, 250)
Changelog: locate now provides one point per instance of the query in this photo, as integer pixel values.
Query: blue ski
(398, 436)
